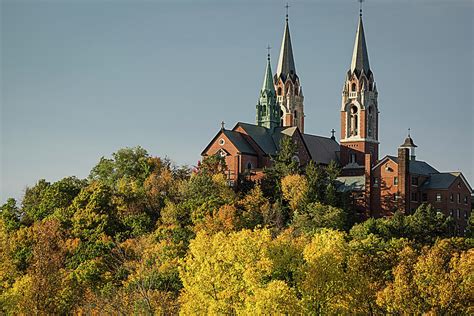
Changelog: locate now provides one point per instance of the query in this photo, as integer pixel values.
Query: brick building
(378, 186)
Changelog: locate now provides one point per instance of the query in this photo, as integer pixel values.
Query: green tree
(316, 216)
(283, 164)
(11, 215)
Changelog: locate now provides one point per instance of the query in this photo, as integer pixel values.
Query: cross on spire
(268, 51)
(222, 125)
(332, 134)
(360, 7)
(287, 6)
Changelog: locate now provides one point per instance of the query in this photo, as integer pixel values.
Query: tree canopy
(141, 235)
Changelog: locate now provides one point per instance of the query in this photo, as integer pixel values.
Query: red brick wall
(383, 201)
(446, 206)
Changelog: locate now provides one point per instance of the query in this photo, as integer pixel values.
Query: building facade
(378, 187)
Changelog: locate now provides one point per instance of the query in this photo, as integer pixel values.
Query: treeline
(143, 236)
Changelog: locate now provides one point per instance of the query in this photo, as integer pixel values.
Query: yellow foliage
(325, 277)
(294, 187)
(274, 299)
(221, 272)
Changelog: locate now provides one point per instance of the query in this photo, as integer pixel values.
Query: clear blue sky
(81, 79)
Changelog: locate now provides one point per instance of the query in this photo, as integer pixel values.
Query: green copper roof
(268, 79)
(360, 57)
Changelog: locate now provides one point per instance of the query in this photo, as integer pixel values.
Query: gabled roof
(350, 184)
(239, 142)
(236, 139)
(360, 57)
(322, 149)
(279, 132)
(415, 166)
(260, 135)
(444, 180)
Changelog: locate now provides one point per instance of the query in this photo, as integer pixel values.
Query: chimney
(368, 182)
(403, 179)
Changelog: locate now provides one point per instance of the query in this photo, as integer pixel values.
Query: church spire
(268, 113)
(360, 57)
(286, 63)
(268, 79)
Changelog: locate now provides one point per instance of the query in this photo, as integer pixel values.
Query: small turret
(410, 145)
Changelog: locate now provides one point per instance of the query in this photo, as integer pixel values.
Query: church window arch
(249, 165)
(354, 121)
(296, 91)
(354, 86)
(279, 90)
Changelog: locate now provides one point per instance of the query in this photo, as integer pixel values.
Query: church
(378, 186)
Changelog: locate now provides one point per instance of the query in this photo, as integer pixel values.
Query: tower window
(295, 115)
(353, 87)
(395, 180)
(438, 197)
(296, 91)
(354, 121)
(279, 90)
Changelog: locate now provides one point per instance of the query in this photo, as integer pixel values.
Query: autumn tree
(229, 274)
(438, 281)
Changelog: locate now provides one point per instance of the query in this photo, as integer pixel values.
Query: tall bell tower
(287, 85)
(359, 110)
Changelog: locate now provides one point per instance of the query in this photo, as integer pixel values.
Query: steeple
(268, 112)
(287, 84)
(286, 63)
(359, 109)
(268, 79)
(360, 57)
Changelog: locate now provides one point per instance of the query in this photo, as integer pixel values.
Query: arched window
(295, 114)
(279, 90)
(249, 165)
(281, 118)
(353, 87)
(296, 91)
(354, 121)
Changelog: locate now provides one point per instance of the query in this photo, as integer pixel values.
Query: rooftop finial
(360, 7)
(409, 130)
(222, 125)
(332, 134)
(286, 7)
(268, 51)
